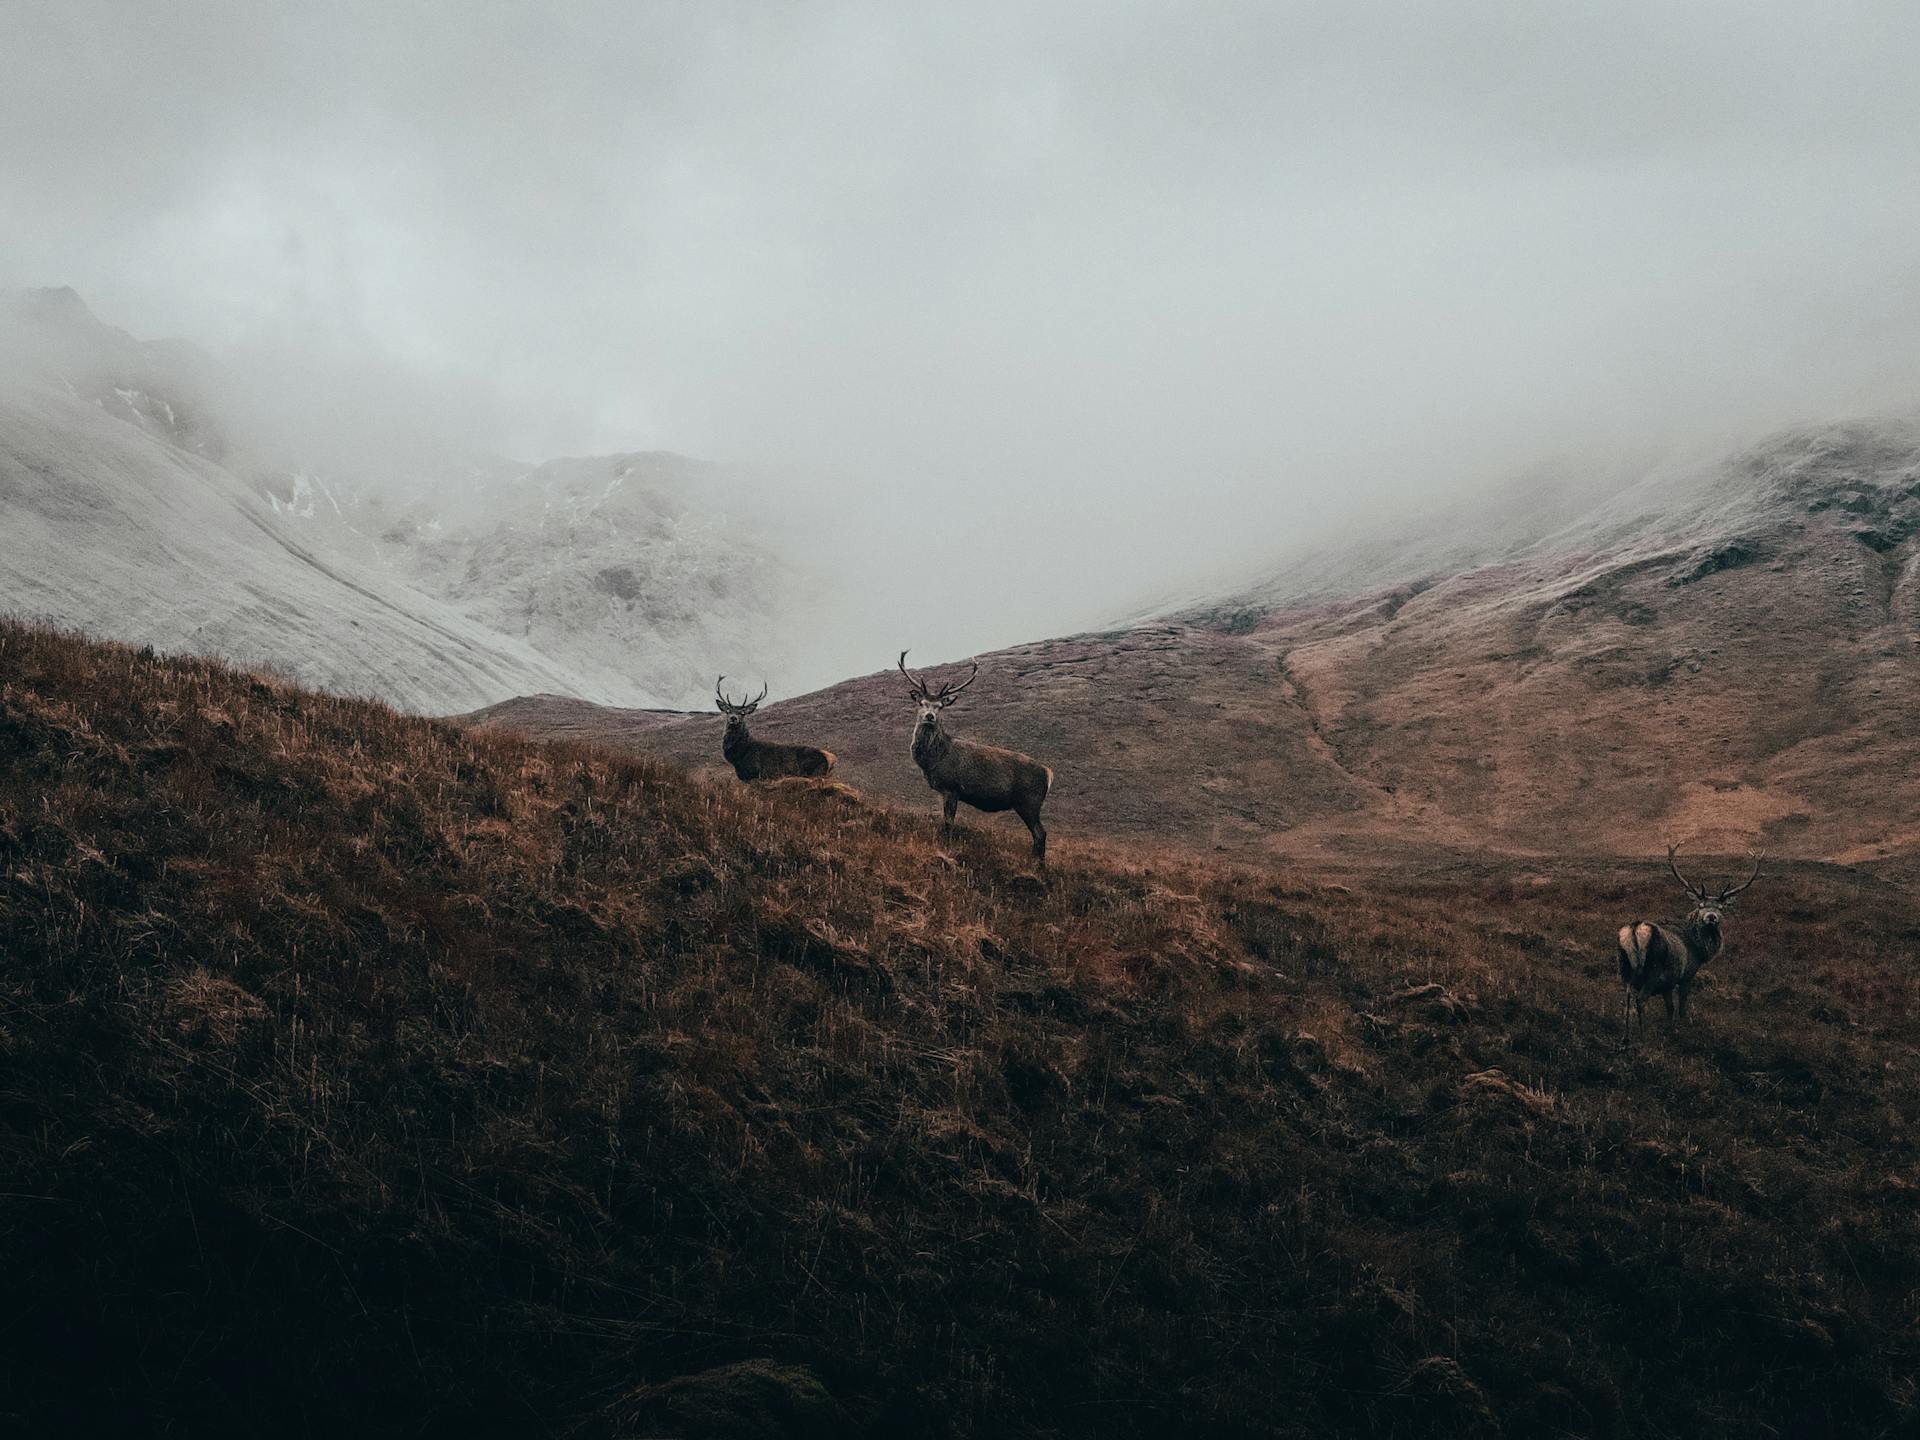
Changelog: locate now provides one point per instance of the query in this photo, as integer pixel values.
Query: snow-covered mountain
(629, 569)
(139, 501)
(163, 387)
(106, 528)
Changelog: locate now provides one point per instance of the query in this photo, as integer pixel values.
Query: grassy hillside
(362, 1075)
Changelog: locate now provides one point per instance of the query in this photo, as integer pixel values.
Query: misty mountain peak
(57, 303)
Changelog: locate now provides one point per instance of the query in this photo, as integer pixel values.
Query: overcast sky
(1019, 284)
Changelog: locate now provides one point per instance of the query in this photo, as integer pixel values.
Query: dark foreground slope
(362, 1076)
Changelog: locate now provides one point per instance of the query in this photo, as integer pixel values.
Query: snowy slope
(629, 569)
(105, 527)
(140, 499)
(1577, 513)
(625, 566)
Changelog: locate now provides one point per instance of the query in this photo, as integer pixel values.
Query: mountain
(142, 498)
(105, 526)
(1726, 654)
(162, 387)
(367, 1076)
(629, 569)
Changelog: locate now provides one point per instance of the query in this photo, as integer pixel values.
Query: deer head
(929, 700)
(736, 711)
(1707, 908)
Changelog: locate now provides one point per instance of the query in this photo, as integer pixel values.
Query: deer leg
(1685, 990)
(1039, 837)
(1667, 1000)
(1626, 1015)
(949, 808)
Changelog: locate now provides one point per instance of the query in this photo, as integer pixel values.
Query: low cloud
(1020, 309)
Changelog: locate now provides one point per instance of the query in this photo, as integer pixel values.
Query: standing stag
(1665, 960)
(763, 759)
(983, 776)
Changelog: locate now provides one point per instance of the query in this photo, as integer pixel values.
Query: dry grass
(362, 1075)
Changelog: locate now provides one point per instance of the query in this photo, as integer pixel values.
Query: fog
(1015, 312)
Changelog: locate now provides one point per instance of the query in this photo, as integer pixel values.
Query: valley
(527, 1064)
(1733, 662)
(959, 722)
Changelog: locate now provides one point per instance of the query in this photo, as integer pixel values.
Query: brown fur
(967, 772)
(763, 759)
(770, 759)
(987, 777)
(1666, 960)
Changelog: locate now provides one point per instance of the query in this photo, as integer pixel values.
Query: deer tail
(1049, 790)
(1634, 940)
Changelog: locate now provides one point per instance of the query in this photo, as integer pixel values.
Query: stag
(966, 771)
(763, 759)
(1665, 960)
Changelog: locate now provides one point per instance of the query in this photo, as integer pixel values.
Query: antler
(1728, 894)
(1696, 892)
(950, 691)
(946, 694)
(914, 682)
(737, 707)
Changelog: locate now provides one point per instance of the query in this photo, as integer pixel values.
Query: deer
(1665, 960)
(986, 777)
(763, 759)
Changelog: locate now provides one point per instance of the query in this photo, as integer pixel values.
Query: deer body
(764, 759)
(1665, 960)
(967, 772)
(769, 759)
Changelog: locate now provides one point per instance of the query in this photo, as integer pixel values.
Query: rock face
(1727, 656)
(139, 501)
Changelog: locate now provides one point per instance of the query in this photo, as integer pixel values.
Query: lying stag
(763, 759)
(1665, 960)
(965, 771)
